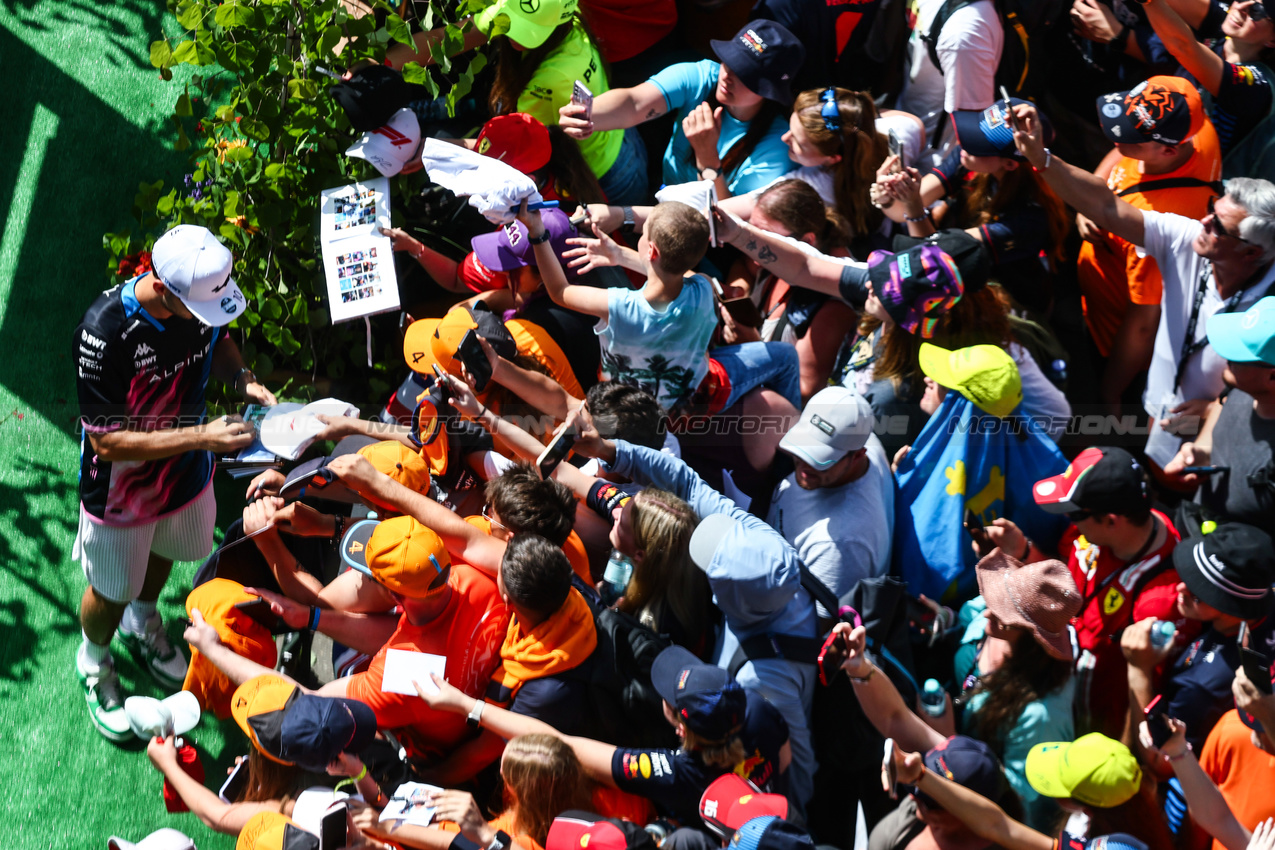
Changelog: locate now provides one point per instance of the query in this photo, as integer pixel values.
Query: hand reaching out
(598, 252)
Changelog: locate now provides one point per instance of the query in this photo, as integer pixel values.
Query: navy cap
(968, 762)
(766, 57)
(987, 132)
(315, 730)
(770, 833)
(705, 697)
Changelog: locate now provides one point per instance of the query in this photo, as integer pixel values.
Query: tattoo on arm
(751, 245)
(652, 113)
(766, 255)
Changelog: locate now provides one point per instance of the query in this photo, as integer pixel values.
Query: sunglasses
(1257, 12)
(494, 524)
(1214, 225)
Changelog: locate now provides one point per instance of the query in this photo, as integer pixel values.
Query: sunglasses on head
(1215, 225)
(830, 112)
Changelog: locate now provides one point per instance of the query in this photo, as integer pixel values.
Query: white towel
(494, 188)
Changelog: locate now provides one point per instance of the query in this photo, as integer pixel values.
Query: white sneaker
(152, 649)
(102, 692)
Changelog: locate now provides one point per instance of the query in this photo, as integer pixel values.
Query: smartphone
(476, 363)
(975, 528)
(743, 311)
(1205, 470)
(556, 452)
(333, 834)
(236, 783)
(580, 94)
(259, 611)
(1154, 715)
(889, 770)
(833, 654)
(442, 378)
(896, 149)
(1257, 669)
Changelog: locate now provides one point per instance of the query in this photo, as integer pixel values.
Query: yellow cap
(1093, 770)
(400, 463)
(984, 374)
(408, 558)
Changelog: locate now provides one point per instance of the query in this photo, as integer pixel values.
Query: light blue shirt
(665, 352)
(685, 86)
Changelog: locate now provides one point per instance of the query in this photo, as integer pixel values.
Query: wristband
(1121, 40)
(314, 618)
(629, 222)
(863, 680)
(475, 716)
(541, 239)
(352, 780)
(240, 374)
(912, 220)
(1182, 754)
(1027, 551)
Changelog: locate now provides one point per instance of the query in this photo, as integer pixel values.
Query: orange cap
(400, 463)
(408, 558)
(418, 346)
(258, 707)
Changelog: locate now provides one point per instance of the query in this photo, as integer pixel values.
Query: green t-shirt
(577, 58)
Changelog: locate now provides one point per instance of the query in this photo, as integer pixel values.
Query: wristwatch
(475, 716)
(541, 239)
(709, 174)
(251, 376)
(628, 217)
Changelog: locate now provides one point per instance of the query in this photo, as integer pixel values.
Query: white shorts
(115, 557)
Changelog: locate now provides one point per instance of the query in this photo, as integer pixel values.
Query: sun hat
(509, 248)
(1040, 597)
(528, 22)
(392, 145)
(730, 801)
(1230, 569)
(916, 287)
(578, 830)
(987, 132)
(765, 56)
(969, 762)
(516, 139)
(403, 555)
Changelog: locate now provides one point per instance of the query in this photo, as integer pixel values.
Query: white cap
(710, 532)
(195, 267)
(174, 715)
(836, 421)
(391, 146)
(160, 839)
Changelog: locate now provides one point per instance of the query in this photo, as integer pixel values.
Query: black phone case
(1257, 668)
(259, 611)
(471, 354)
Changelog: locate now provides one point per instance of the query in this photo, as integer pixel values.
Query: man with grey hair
(1220, 263)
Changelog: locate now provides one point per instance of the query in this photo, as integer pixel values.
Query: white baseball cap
(196, 267)
(160, 839)
(835, 422)
(391, 146)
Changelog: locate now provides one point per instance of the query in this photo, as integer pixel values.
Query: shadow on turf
(61, 15)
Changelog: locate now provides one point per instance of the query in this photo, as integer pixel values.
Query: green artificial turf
(85, 122)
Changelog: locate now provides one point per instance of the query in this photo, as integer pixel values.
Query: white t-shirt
(843, 534)
(1169, 240)
(969, 49)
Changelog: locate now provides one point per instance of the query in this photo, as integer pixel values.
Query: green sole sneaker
(165, 662)
(106, 708)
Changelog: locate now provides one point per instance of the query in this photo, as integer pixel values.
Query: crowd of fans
(920, 474)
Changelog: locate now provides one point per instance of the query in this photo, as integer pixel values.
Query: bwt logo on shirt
(93, 341)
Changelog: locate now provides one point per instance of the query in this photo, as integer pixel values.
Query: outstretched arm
(1086, 192)
(582, 299)
(880, 700)
(1208, 807)
(1202, 63)
(783, 257)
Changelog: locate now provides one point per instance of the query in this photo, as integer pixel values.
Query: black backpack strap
(931, 37)
(1171, 183)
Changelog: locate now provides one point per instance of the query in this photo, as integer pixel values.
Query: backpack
(1026, 23)
(624, 708)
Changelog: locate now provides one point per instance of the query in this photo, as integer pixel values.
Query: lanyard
(1190, 345)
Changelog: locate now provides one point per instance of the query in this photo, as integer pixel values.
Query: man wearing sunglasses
(1170, 163)
(1119, 551)
(1221, 263)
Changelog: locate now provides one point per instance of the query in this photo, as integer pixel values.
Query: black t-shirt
(137, 373)
(1198, 686)
(1019, 232)
(1243, 101)
(1242, 441)
(674, 780)
(562, 701)
(835, 35)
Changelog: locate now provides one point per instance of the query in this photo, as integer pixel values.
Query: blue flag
(965, 458)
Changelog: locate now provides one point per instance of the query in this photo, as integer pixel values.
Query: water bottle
(1162, 633)
(1059, 369)
(932, 698)
(617, 574)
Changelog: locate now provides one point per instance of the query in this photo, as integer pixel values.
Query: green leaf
(416, 73)
(303, 89)
(186, 53)
(183, 141)
(239, 153)
(161, 54)
(225, 113)
(254, 129)
(272, 309)
(190, 14)
(398, 30)
(234, 15)
(231, 233)
(164, 206)
(242, 54)
(231, 208)
(300, 312)
(477, 63)
(359, 27)
(275, 170)
(329, 39)
(183, 106)
(287, 342)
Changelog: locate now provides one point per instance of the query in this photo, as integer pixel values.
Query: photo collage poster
(357, 260)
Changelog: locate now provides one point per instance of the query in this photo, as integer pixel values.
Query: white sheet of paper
(403, 666)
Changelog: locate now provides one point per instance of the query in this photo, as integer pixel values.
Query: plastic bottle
(617, 575)
(1162, 633)
(932, 700)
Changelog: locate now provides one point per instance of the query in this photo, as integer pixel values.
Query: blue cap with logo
(770, 833)
(706, 698)
(1247, 337)
(987, 132)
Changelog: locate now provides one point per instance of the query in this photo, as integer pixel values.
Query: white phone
(580, 94)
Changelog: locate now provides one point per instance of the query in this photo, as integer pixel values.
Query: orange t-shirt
(1244, 774)
(1114, 273)
(469, 633)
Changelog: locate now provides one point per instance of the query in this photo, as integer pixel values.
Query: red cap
(732, 801)
(516, 139)
(585, 831)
